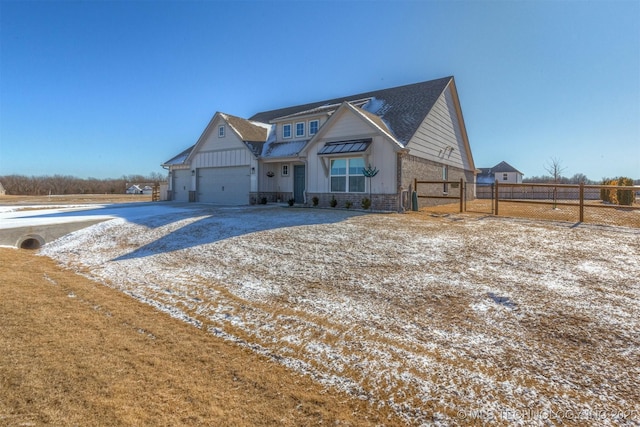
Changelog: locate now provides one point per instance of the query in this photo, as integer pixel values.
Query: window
(285, 170)
(286, 130)
(445, 177)
(299, 129)
(313, 127)
(505, 177)
(346, 175)
(220, 131)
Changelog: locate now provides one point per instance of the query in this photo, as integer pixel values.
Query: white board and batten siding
(347, 126)
(217, 151)
(222, 167)
(381, 154)
(222, 158)
(438, 133)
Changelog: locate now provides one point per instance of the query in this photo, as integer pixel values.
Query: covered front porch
(280, 181)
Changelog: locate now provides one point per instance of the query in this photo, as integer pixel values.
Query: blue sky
(109, 88)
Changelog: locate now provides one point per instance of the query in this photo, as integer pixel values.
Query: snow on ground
(450, 320)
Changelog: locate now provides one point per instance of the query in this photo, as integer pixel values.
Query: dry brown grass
(594, 211)
(77, 353)
(74, 199)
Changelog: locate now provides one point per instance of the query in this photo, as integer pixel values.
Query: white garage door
(181, 185)
(228, 186)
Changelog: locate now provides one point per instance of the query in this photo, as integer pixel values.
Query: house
(319, 150)
(134, 189)
(502, 172)
(2, 190)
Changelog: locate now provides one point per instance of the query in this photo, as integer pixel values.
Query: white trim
(317, 127)
(346, 175)
(301, 135)
(284, 125)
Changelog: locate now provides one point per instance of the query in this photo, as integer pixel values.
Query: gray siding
(439, 132)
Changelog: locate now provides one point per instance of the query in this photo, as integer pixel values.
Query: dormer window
(299, 129)
(221, 131)
(286, 130)
(313, 127)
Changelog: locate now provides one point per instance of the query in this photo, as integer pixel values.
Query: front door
(298, 183)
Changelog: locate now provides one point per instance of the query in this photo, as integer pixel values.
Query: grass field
(422, 318)
(74, 352)
(73, 199)
(595, 212)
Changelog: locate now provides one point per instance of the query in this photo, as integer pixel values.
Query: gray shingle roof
(503, 167)
(402, 108)
(180, 158)
(248, 131)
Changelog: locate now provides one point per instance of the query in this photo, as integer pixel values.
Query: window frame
(317, 122)
(221, 131)
(347, 176)
(284, 127)
(299, 135)
(505, 176)
(284, 170)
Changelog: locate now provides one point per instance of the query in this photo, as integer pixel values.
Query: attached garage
(181, 185)
(224, 185)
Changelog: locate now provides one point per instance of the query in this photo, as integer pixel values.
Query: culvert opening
(31, 242)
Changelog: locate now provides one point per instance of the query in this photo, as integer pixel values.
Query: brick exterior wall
(412, 167)
(379, 202)
(409, 168)
(272, 197)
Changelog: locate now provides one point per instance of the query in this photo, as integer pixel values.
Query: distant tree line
(576, 179)
(545, 179)
(20, 185)
(555, 168)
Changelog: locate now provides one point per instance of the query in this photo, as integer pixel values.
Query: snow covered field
(449, 320)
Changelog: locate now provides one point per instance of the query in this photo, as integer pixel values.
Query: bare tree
(554, 168)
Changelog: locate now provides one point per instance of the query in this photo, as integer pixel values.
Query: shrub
(263, 201)
(607, 195)
(348, 204)
(366, 203)
(618, 197)
(291, 202)
(315, 201)
(333, 202)
(625, 197)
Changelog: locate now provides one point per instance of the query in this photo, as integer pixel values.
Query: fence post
(496, 196)
(461, 194)
(582, 202)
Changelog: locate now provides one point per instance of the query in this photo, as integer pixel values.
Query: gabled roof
(247, 130)
(252, 133)
(180, 158)
(401, 108)
(370, 119)
(501, 167)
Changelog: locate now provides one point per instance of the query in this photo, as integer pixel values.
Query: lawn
(445, 320)
(74, 352)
